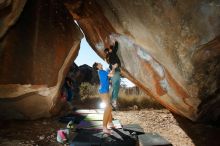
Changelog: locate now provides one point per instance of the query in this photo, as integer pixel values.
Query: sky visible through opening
(88, 56)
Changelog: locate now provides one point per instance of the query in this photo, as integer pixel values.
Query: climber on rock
(113, 59)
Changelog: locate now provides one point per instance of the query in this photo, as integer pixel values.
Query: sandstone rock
(87, 74)
(159, 43)
(170, 49)
(35, 55)
(10, 12)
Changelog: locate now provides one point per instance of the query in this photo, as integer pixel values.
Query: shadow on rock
(200, 134)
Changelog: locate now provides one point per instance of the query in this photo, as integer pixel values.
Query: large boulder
(77, 75)
(88, 74)
(10, 12)
(171, 49)
(83, 73)
(35, 54)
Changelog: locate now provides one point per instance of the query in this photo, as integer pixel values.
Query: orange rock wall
(168, 48)
(157, 42)
(35, 54)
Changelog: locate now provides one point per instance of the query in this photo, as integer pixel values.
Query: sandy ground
(179, 131)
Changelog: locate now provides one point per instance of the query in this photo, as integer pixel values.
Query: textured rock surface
(10, 12)
(171, 49)
(83, 73)
(88, 74)
(34, 56)
(78, 75)
(160, 45)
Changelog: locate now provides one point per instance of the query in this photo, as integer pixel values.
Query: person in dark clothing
(111, 55)
(68, 85)
(113, 59)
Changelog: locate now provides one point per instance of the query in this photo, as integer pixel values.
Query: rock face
(77, 75)
(170, 49)
(10, 11)
(87, 74)
(83, 73)
(34, 56)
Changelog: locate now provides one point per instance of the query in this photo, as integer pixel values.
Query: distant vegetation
(88, 90)
(132, 98)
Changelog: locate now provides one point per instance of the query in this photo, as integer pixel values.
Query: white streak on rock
(144, 55)
(164, 84)
(100, 46)
(158, 68)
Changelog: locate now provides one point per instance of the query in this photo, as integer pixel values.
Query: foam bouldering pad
(152, 139)
(85, 124)
(87, 138)
(89, 125)
(94, 117)
(76, 118)
(117, 124)
(134, 129)
(89, 111)
(119, 137)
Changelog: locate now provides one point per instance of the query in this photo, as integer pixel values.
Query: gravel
(177, 130)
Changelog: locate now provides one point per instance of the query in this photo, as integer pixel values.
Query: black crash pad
(152, 139)
(119, 137)
(134, 129)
